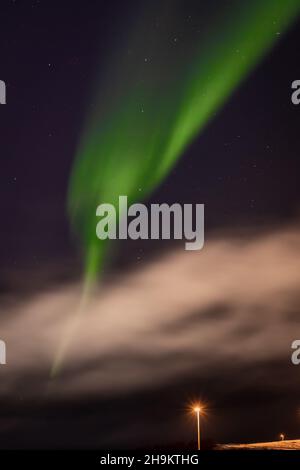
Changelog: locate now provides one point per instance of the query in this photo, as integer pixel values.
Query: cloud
(234, 301)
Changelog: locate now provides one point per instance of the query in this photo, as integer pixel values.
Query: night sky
(236, 303)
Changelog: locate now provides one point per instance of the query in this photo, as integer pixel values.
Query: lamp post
(197, 410)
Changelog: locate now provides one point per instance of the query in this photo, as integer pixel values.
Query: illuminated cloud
(233, 301)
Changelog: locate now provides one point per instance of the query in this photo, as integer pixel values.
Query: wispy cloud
(234, 300)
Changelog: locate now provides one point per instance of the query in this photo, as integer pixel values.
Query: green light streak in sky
(161, 90)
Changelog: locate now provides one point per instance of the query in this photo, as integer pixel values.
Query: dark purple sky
(248, 177)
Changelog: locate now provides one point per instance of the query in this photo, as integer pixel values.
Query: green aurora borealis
(162, 87)
(160, 90)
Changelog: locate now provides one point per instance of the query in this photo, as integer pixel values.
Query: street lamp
(197, 410)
